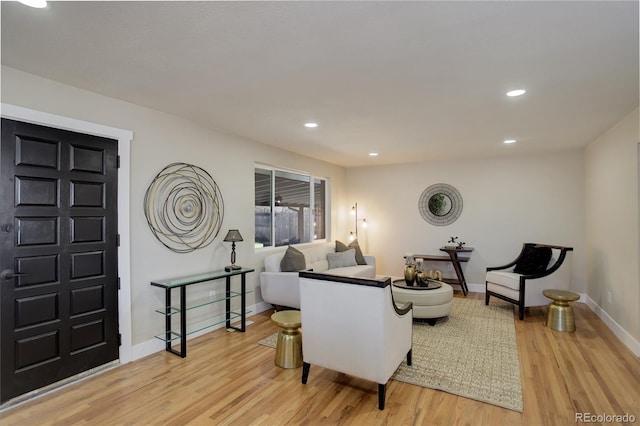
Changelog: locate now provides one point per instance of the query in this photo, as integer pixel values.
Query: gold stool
(289, 346)
(560, 316)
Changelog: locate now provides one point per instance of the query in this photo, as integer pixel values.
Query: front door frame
(124, 138)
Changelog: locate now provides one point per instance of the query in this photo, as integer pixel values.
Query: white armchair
(353, 326)
(522, 282)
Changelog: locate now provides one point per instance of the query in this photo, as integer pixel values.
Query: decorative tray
(431, 285)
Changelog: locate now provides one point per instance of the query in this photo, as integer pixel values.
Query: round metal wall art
(184, 207)
(440, 204)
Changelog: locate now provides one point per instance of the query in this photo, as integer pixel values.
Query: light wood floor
(228, 379)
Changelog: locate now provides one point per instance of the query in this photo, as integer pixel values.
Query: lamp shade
(233, 236)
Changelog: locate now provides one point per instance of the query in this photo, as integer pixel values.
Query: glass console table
(181, 283)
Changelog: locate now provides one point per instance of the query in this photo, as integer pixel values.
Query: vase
(409, 274)
(421, 274)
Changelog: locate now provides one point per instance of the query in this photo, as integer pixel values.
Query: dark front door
(58, 255)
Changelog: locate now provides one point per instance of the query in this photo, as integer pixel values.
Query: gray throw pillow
(342, 259)
(293, 260)
(340, 247)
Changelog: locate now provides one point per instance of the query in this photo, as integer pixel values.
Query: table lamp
(232, 236)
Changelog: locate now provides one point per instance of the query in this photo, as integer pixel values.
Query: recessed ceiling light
(510, 141)
(517, 92)
(373, 154)
(34, 3)
(311, 125)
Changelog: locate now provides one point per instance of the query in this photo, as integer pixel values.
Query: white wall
(612, 224)
(160, 139)
(506, 201)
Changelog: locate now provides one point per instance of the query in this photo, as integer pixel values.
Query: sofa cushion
(534, 260)
(340, 247)
(316, 256)
(272, 261)
(342, 259)
(360, 271)
(293, 260)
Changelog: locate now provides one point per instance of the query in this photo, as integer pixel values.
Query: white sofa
(283, 288)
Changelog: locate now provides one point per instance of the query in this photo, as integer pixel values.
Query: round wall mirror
(440, 204)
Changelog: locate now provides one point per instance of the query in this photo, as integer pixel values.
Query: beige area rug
(472, 353)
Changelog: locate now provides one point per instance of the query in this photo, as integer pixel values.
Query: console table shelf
(452, 256)
(172, 310)
(203, 325)
(181, 283)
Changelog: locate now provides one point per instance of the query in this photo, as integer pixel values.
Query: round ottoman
(427, 304)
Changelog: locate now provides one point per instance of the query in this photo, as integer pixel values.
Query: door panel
(86, 265)
(36, 351)
(87, 194)
(87, 300)
(87, 229)
(36, 310)
(58, 255)
(36, 192)
(87, 159)
(37, 270)
(39, 153)
(36, 231)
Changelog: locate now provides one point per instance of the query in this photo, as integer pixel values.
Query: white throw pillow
(342, 259)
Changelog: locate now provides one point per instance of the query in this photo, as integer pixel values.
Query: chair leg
(521, 311)
(305, 372)
(381, 395)
(486, 297)
(409, 356)
(521, 299)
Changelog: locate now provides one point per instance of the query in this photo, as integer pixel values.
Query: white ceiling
(414, 81)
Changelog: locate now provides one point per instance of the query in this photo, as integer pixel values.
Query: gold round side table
(289, 346)
(560, 316)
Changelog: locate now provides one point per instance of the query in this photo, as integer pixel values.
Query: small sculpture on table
(435, 274)
(452, 242)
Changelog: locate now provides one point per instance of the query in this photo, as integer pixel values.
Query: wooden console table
(452, 256)
(181, 283)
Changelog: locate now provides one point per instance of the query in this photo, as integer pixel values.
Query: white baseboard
(262, 306)
(156, 345)
(146, 348)
(623, 335)
(627, 339)
(476, 288)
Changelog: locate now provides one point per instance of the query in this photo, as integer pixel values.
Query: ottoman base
(427, 304)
